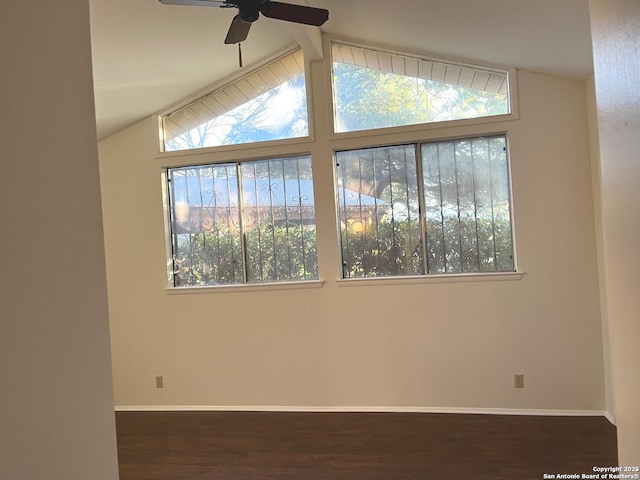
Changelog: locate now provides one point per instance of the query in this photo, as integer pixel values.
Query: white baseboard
(609, 416)
(361, 409)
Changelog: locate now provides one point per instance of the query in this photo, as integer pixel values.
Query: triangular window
(270, 103)
(377, 89)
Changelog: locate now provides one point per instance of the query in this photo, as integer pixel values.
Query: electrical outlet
(518, 380)
(159, 381)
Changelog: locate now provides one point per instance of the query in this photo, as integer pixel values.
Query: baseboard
(361, 409)
(609, 416)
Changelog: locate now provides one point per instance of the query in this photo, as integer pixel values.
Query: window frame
(228, 80)
(512, 89)
(454, 277)
(168, 230)
(322, 149)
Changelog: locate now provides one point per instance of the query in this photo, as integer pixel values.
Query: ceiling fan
(249, 11)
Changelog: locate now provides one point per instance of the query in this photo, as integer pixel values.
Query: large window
(432, 208)
(267, 104)
(375, 89)
(249, 222)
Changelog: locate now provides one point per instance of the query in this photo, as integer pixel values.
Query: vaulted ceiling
(147, 56)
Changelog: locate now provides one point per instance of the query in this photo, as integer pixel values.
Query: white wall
(56, 398)
(419, 345)
(616, 33)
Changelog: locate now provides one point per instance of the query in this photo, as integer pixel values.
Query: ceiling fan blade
(238, 31)
(197, 3)
(295, 13)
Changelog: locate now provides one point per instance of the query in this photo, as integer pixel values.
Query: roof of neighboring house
(222, 192)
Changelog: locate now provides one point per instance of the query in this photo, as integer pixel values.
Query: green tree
(466, 209)
(252, 121)
(367, 98)
(272, 252)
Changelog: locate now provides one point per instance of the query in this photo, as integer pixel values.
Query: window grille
(432, 208)
(249, 222)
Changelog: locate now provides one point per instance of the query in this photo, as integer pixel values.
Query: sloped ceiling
(147, 56)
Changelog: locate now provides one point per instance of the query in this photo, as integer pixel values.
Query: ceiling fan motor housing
(249, 10)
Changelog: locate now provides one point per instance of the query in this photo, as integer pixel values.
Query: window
(427, 208)
(432, 208)
(374, 89)
(249, 222)
(268, 104)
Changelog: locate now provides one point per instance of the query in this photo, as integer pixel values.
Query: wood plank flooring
(358, 446)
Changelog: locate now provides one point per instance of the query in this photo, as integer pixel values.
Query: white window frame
(500, 275)
(421, 127)
(169, 247)
(228, 80)
(318, 81)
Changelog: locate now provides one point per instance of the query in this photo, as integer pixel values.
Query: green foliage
(281, 252)
(381, 249)
(209, 258)
(453, 246)
(274, 252)
(367, 98)
(469, 245)
(464, 200)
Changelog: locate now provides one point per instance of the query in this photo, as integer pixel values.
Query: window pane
(379, 212)
(268, 104)
(279, 220)
(375, 89)
(205, 222)
(467, 206)
(501, 205)
(237, 223)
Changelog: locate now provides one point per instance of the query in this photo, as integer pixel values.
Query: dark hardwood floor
(358, 446)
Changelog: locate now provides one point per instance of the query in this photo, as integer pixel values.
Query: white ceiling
(147, 56)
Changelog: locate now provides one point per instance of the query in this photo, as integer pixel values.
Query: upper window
(431, 208)
(374, 89)
(268, 104)
(249, 222)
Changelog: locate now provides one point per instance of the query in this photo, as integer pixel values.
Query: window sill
(252, 287)
(443, 278)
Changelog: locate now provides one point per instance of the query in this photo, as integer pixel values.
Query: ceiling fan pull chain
(239, 55)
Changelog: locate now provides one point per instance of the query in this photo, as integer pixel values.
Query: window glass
(279, 220)
(466, 205)
(373, 89)
(378, 206)
(434, 208)
(236, 223)
(268, 104)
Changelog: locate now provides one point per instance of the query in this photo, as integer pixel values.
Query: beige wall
(417, 345)
(615, 30)
(56, 398)
(594, 147)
